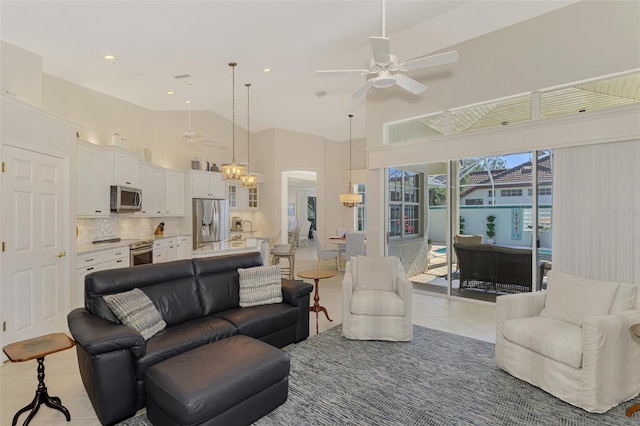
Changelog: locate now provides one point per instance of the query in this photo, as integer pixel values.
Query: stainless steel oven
(141, 252)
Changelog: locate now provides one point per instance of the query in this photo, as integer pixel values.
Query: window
(544, 219)
(404, 203)
(474, 202)
(544, 191)
(511, 192)
(530, 192)
(361, 212)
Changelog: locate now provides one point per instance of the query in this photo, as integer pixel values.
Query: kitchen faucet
(249, 222)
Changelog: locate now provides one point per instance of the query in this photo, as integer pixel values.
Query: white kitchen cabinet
(125, 167)
(174, 193)
(207, 185)
(152, 183)
(165, 250)
(97, 261)
(94, 180)
(185, 247)
(242, 198)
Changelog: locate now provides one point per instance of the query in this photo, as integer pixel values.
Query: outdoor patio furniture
(496, 268)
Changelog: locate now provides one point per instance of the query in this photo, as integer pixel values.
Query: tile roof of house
(509, 177)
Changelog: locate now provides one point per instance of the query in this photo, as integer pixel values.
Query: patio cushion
(574, 299)
(551, 338)
(376, 302)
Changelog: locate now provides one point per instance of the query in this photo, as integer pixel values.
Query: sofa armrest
(611, 357)
(98, 335)
(294, 290)
(519, 305)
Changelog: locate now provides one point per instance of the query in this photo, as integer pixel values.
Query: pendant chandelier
(248, 179)
(350, 199)
(233, 171)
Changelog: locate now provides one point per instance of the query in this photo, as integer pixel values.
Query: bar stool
(284, 251)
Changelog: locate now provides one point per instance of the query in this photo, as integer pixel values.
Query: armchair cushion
(574, 299)
(551, 338)
(376, 273)
(377, 303)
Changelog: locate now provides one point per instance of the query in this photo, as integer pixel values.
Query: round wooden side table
(316, 275)
(37, 348)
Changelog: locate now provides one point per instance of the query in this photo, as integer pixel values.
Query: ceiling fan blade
(430, 61)
(409, 84)
(362, 89)
(381, 50)
(330, 73)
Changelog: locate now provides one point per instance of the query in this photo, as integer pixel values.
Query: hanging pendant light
(233, 171)
(248, 179)
(350, 199)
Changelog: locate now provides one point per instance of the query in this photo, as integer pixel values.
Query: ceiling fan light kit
(233, 171)
(349, 199)
(388, 70)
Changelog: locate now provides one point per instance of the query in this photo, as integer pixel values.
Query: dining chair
(354, 245)
(341, 232)
(325, 254)
(304, 233)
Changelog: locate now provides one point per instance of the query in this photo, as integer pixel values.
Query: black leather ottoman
(233, 381)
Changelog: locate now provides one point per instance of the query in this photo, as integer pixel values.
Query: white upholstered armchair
(377, 300)
(572, 340)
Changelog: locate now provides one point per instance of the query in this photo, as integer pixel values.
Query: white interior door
(35, 269)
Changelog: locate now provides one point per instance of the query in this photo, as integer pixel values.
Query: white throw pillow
(260, 285)
(376, 273)
(574, 299)
(134, 309)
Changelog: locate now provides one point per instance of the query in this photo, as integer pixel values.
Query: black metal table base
(42, 397)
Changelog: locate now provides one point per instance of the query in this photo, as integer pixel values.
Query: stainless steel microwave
(125, 199)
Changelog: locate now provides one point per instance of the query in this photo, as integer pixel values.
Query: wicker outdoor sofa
(496, 268)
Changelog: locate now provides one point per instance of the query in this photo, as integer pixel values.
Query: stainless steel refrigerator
(210, 221)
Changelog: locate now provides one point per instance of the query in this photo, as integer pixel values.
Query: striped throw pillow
(260, 286)
(135, 309)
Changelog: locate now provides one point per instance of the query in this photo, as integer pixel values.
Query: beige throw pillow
(134, 309)
(260, 285)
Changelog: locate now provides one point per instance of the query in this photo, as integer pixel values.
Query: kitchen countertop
(224, 247)
(94, 248)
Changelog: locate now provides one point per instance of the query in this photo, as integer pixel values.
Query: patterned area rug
(437, 379)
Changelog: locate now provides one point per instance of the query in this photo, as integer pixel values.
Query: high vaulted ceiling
(153, 41)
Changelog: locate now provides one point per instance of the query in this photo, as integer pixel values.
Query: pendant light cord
(248, 132)
(233, 111)
(350, 119)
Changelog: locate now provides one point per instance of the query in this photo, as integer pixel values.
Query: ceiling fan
(387, 69)
(189, 135)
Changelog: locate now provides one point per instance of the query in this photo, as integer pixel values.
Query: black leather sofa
(199, 301)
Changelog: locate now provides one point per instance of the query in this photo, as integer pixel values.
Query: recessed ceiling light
(108, 57)
(171, 92)
(187, 102)
(139, 75)
(267, 70)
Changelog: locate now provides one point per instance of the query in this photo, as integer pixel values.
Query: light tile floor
(18, 380)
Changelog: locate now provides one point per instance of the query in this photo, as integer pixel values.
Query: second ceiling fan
(387, 69)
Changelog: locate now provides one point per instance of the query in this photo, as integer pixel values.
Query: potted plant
(491, 229)
(462, 224)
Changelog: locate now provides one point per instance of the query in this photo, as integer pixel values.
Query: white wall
(20, 74)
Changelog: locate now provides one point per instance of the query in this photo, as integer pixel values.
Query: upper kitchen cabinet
(94, 180)
(175, 190)
(152, 183)
(241, 197)
(125, 167)
(207, 185)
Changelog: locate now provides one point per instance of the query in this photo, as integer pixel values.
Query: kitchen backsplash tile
(126, 227)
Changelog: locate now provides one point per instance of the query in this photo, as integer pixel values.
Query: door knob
(62, 253)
